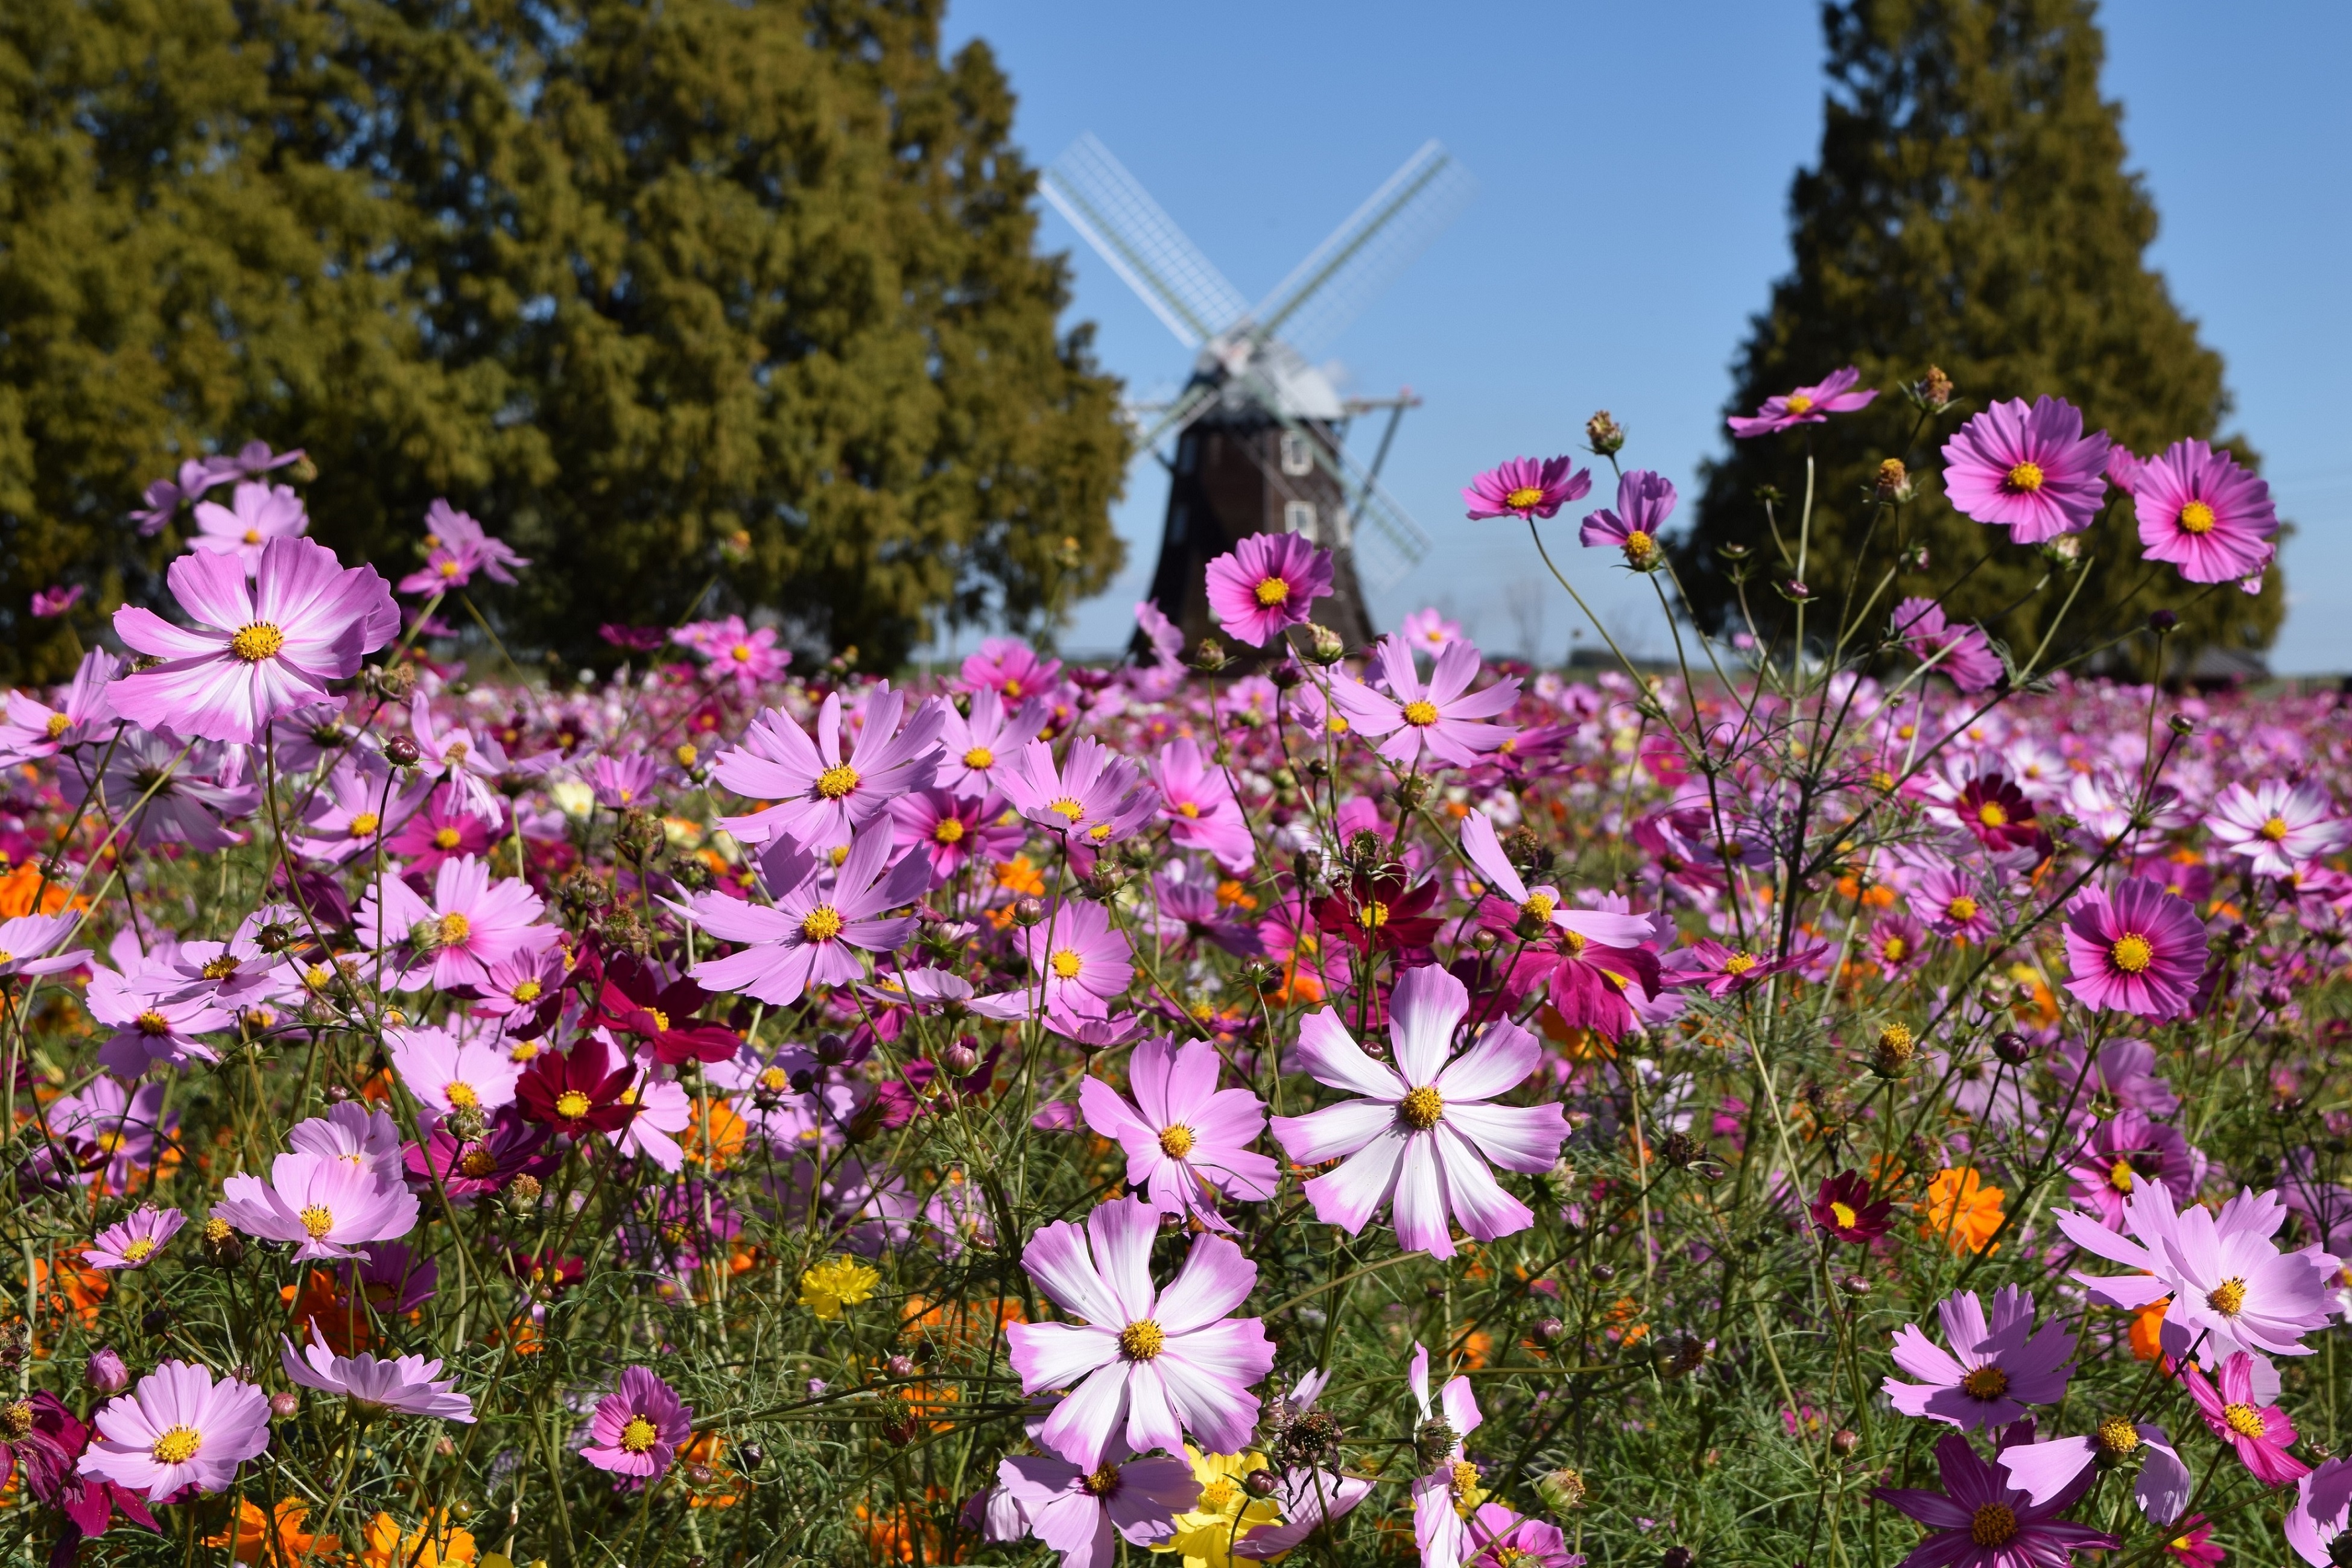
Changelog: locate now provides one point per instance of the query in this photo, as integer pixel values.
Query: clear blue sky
(1634, 164)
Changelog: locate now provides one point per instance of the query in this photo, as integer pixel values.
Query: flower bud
(1844, 1441)
(1894, 481)
(1603, 1272)
(832, 1050)
(960, 1057)
(467, 1123)
(1411, 790)
(1796, 593)
(2180, 723)
(899, 1366)
(105, 1371)
(1891, 1057)
(522, 1192)
(750, 1455)
(1550, 1330)
(1563, 1489)
(401, 751)
(284, 1406)
(2163, 623)
(155, 1321)
(2012, 1048)
(1325, 646)
(1935, 390)
(1286, 674)
(1604, 434)
(2277, 996)
(1678, 1557)
(1261, 1482)
(1210, 656)
(1027, 911)
(1855, 1285)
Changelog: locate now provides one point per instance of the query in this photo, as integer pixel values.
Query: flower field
(1869, 1095)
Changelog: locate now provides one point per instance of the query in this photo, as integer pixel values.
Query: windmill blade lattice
(1142, 242)
(1365, 254)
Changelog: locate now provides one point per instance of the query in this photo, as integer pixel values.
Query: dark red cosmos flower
(1843, 1208)
(545, 1272)
(39, 1434)
(1379, 912)
(1997, 811)
(580, 1092)
(635, 1002)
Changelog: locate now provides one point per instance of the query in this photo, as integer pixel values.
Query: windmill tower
(1259, 433)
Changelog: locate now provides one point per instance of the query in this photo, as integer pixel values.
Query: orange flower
(2148, 1331)
(19, 887)
(438, 1543)
(253, 1534)
(721, 1487)
(343, 1322)
(76, 1288)
(1473, 1349)
(898, 1534)
(1017, 876)
(1959, 1209)
(719, 1143)
(976, 1322)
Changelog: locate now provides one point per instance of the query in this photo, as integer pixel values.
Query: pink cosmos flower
(1952, 906)
(621, 782)
(135, 1242)
(2032, 470)
(1505, 1540)
(2139, 951)
(973, 746)
(1721, 971)
(1266, 583)
(2123, 469)
(1445, 718)
(1963, 654)
(2126, 1150)
(2277, 826)
(1440, 1497)
(1644, 502)
(1011, 668)
(1197, 802)
(1993, 1370)
(2204, 514)
(48, 604)
(2047, 1471)
(1834, 393)
(1423, 1131)
(1083, 961)
(26, 942)
(177, 1429)
(259, 650)
(823, 796)
(736, 652)
(2262, 1434)
(1184, 1137)
(806, 938)
(1147, 1364)
(357, 804)
(1544, 905)
(1081, 1514)
(446, 829)
(1980, 1521)
(449, 1074)
(638, 1427)
(1094, 796)
(409, 1385)
(257, 514)
(351, 1134)
(151, 1025)
(1524, 487)
(328, 1207)
(2322, 1511)
(952, 831)
(34, 731)
(1430, 631)
(471, 923)
(449, 529)
(2229, 1286)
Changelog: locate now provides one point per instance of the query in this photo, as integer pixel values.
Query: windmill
(1259, 432)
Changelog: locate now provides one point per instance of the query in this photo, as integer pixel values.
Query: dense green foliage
(1971, 208)
(625, 279)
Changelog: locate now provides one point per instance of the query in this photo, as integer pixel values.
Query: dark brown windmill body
(1259, 432)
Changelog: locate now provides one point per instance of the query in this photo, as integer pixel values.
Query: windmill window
(1188, 455)
(1297, 458)
(1176, 519)
(1298, 517)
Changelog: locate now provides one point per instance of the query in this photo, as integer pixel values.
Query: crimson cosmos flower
(1379, 912)
(635, 1002)
(1844, 1208)
(580, 1092)
(1997, 811)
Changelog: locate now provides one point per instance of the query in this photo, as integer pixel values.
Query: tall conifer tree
(1971, 211)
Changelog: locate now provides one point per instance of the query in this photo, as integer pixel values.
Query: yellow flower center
(258, 642)
(2228, 1298)
(1800, 403)
(253, 537)
(1574, 942)
(1103, 1482)
(1465, 1479)
(639, 1435)
(1961, 908)
(1100, 832)
(837, 781)
(527, 992)
(1069, 810)
(1373, 915)
(444, 839)
(2243, 1419)
(1423, 1108)
(461, 1095)
(1065, 963)
(2197, 518)
(1540, 906)
(1985, 1383)
(177, 1446)
(2275, 829)
(2132, 953)
(740, 652)
(2118, 1435)
(775, 1079)
(139, 1250)
(16, 1420)
(1176, 1142)
(1141, 1340)
(216, 1232)
(979, 756)
(686, 754)
(219, 968)
(2121, 1177)
(1420, 714)
(571, 1104)
(822, 924)
(2025, 478)
(1740, 963)
(455, 929)
(366, 822)
(477, 1163)
(1188, 809)
(154, 1025)
(1639, 547)
(1523, 498)
(949, 832)
(318, 1219)
(1896, 948)
(661, 1019)
(1272, 591)
(1993, 1525)
(1843, 1214)
(1993, 814)
(59, 724)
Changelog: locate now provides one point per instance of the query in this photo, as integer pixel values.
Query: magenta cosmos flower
(410, 1385)
(1185, 1138)
(1196, 800)
(2262, 1434)
(471, 924)
(1082, 1513)
(2031, 470)
(2277, 826)
(1962, 652)
(1266, 584)
(135, 1242)
(1445, 718)
(2204, 514)
(1083, 961)
(329, 1208)
(638, 1427)
(2140, 950)
(450, 1074)
(2322, 1511)
(2229, 1286)
(1807, 405)
(256, 513)
(812, 934)
(1644, 502)
(1980, 1521)
(1423, 1131)
(1508, 1540)
(2046, 1470)
(1142, 1365)
(1993, 1370)
(1095, 796)
(975, 743)
(823, 794)
(178, 1428)
(1524, 487)
(48, 604)
(1543, 904)
(259, 650)
(2122, 1152)
(1441, 1496)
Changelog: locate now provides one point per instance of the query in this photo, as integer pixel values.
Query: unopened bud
(2012, 1048)
(1325, 646)
(1261, 1482)
(2163, 623)
(1604, 434)
(898, 1365)
(1550, 1330)
(1855, 1285)
(285, 1406)
(1678, 1557)
(1563, 1490)
(1286, 674)
(401, 751)
(959, 1059)
(1210, 656)
(105, 1371)
(1844, 1441)
(1411, 790)
(467, 1123)
(2180, 723)
(1027, 911)
(832, 1050)
(1795, 592)
(1602, 1272)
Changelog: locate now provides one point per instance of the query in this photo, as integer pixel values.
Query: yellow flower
(835, 1283)
(1224, 1514)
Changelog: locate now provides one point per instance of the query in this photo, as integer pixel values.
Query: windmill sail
(1142, 243)
(1364, 255)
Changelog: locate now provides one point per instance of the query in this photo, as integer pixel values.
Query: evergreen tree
(1970, 210)
(666, 293)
